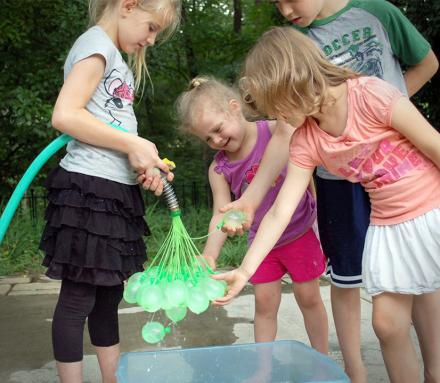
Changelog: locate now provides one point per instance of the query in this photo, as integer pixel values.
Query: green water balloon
(196, 300)
(138, 277)
(176, 292)
(152, 274)
(176, 314)
(131, 290)
(165, 304)
(234, 218)
(214, 289)
(154, 332)
(150, 298)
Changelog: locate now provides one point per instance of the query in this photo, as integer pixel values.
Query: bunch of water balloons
(177, 280)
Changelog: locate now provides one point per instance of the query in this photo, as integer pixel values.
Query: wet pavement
(26, 309)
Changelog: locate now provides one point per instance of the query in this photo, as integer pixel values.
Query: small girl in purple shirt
(212, 111)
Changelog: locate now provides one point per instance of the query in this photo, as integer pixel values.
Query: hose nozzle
(168, 191)
(169, 194)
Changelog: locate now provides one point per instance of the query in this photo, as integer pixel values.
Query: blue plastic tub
(274, 362)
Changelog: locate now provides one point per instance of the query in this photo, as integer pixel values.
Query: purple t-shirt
(239, 175)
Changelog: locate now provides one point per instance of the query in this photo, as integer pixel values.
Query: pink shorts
(302, 258)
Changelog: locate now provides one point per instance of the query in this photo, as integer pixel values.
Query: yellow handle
(170, 163)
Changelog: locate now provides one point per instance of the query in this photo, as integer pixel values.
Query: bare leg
(70, 372)
(346, 308)
(309, 300)
(108, 358)
(426, 316)
(267, 302)
(392, 323)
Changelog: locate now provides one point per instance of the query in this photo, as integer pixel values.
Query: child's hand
(249, 211)
(143, 155)
(236, 280)
(151, 180)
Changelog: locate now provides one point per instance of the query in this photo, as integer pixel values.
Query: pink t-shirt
(402, 183)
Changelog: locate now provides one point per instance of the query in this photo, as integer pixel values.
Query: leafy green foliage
(425, 15)
(35, 39)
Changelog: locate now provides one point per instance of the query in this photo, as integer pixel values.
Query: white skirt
(403, 258)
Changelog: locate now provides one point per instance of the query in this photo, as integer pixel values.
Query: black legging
(78, 301)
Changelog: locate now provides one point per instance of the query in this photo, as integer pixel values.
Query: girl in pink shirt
(365, 130)
(212, 111)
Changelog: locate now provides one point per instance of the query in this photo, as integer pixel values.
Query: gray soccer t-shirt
(371, 37)
(112, 103)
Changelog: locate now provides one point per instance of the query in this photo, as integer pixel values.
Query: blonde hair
(170, 9)
(286, 69)
(203, 91)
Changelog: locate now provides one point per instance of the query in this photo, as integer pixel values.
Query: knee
(387, 327)
(266, 307)
(103, 321)
(75, 302)
(308, 299)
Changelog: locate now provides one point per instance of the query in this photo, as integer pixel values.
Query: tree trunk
(237, 16)
(189, 51)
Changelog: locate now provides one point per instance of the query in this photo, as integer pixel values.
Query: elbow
(433, 154)
(434, 64)
(59, 119)
(435, 158)
(279, 215)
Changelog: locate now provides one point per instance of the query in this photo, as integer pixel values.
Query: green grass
(19, 252)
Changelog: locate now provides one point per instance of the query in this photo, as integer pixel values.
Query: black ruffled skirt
(94, 230)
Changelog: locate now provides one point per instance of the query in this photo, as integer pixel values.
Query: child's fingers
(153, 183)
(225, 300)
(147, 182)
(222, 276)
(159, 190)
(232, 231)
(227, 207)
(233, 290)
(246, 225)
(235, 282)
(156, 185)
(228, 230)
(163, 166)
(239, 231)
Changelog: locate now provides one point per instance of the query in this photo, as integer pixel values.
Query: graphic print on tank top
(249, 176)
